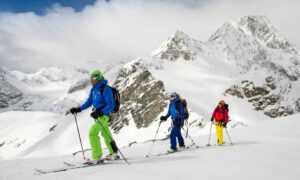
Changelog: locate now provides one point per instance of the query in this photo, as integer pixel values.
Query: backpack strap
(177, 108)
(102, 88)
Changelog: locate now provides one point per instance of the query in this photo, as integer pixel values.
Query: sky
(40, 7)
(53, 33)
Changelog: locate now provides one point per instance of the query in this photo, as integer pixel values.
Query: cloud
(123, 30)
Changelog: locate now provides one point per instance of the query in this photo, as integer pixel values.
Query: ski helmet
(97, 74)
(222, 102)
(174, 94)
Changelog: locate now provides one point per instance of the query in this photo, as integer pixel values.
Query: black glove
(96, 114)
(75, 110)
(163, 118)
(212, 119)
(224, 125)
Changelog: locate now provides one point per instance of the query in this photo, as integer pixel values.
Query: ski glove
(75, 110)
(163, 118)
(224, 125)
(212, 119)
(96, 114)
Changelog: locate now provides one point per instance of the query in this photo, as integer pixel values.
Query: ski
(188, 148)
(224, 144)
(68, 164)
(70, 167)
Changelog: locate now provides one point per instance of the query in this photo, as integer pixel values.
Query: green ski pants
(100, 125)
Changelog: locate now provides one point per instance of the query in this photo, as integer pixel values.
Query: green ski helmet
(97, 74)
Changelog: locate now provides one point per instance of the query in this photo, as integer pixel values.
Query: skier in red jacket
(220, 115)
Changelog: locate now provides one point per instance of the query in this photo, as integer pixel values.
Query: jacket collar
(99, 84)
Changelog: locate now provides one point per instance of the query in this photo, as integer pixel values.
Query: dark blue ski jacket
(176, 110)
(104, 101)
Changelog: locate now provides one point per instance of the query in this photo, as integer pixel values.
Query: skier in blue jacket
(176, 111)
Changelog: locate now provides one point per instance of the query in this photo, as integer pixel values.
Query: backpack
(116, 96)
(186, 111)
(225, 107)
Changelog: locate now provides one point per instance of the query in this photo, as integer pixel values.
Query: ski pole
(191, 139)
(153, 140)
(114, 144)
(187, 129)
(228, 136)
(187, 132)
(209, 134)
(78, 134)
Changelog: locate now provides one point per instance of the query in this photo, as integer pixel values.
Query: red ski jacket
(220, 114)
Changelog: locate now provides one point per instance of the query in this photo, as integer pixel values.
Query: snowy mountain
(252, 42)
(246, 62)
(9, 94)
(180, 45)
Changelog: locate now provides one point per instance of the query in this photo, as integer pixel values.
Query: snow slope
(267, 150)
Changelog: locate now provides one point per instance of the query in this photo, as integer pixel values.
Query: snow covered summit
(252, 42)
(179, 45)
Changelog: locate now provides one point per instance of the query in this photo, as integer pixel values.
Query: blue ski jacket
(176, 110)
(103, 101)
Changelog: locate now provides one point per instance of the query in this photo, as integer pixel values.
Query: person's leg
(219, 132)
(95, 141)
(179, 137)
(105, 132)
(173, 138)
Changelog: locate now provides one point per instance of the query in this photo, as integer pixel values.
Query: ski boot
(94, 162)
(113, 156)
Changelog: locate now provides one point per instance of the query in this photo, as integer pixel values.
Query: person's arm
(213, 116)
(109, 99)
(168, 114)
(226, 117)
(87, 103)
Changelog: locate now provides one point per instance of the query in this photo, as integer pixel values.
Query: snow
(266, 150)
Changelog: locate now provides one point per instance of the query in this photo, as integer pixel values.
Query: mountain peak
(179, 45)
(259, 28)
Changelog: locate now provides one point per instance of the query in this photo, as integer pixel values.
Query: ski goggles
(94, 78)
(172, 97)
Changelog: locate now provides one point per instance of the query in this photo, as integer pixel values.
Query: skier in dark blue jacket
(176, 111)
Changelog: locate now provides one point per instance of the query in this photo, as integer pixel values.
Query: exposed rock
(270, 82)
(8, 93)
(250, 90)
(143, 98)
(280, 111)
(235, 91)
(265, 98)
(79, 85)
(2, 144)
(53, 128)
